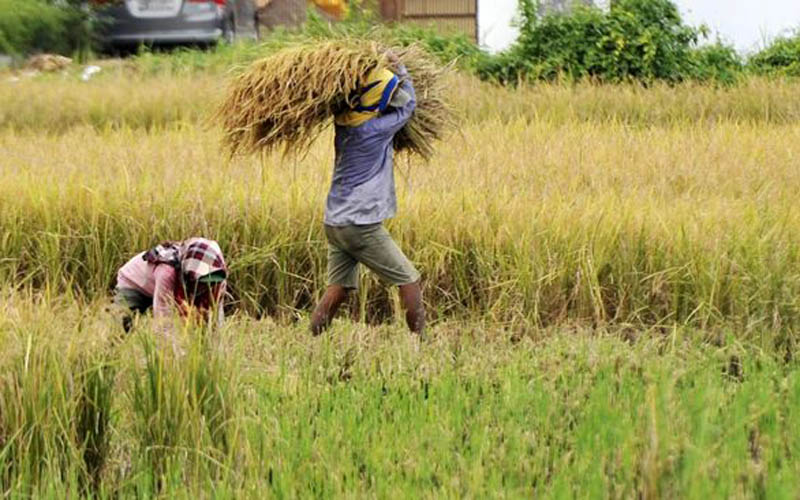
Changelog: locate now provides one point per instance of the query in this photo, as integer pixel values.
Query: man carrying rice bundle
(362, 196)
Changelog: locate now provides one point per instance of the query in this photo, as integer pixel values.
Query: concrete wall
(276, 13)
(444, 15)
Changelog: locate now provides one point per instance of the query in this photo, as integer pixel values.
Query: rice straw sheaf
(286, 100)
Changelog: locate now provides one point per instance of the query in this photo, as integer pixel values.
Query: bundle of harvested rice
(433, 115)
(287, 99)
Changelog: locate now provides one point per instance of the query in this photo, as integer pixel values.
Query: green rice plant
(93, 420)
(184, 411)
(224, 58)
(36, 412)
(365, 411)
(56, 415)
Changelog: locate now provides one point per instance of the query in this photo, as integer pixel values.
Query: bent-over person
(184, 278)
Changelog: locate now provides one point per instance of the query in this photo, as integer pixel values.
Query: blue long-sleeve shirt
(362, 191)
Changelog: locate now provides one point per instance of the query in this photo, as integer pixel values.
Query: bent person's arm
(219, 297)
(164, 306)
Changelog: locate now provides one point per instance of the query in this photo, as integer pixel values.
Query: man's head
(381, 92)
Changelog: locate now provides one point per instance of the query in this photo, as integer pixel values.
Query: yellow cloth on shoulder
(374, 98)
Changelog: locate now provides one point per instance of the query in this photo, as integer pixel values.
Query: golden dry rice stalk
(287, 99)
(433, 115)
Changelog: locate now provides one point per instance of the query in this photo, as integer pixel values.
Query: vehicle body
(166, 22)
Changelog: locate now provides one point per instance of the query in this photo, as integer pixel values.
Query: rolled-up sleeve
(392, 121)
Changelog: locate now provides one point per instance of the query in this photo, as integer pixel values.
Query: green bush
(640, 40)
(717, 62)
(31, 26)
(782, 57)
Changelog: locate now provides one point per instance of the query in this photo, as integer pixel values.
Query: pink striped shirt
(154, 281)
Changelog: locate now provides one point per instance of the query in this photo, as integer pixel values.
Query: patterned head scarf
(201, 258)
(194, 259)
(373, 99)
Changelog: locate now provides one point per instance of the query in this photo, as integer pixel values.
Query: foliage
(640, 40)
(781, 57)
(717, 62)
(637, 40)
(33, 26)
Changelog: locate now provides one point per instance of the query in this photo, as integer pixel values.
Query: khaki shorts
(372, 246)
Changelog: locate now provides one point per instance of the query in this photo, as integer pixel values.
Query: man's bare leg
(411, 298)
(327, 307)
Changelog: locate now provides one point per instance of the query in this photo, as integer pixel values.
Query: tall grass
(644, 209)
(185, 415)
(55, 403)
(130, 96)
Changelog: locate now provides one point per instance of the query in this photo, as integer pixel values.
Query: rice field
(612, 276)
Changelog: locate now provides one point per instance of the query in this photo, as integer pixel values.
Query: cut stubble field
(612, 274)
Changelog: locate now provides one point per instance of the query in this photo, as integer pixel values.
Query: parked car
(160, 22)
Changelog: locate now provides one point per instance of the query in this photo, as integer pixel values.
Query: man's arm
(391, 122)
